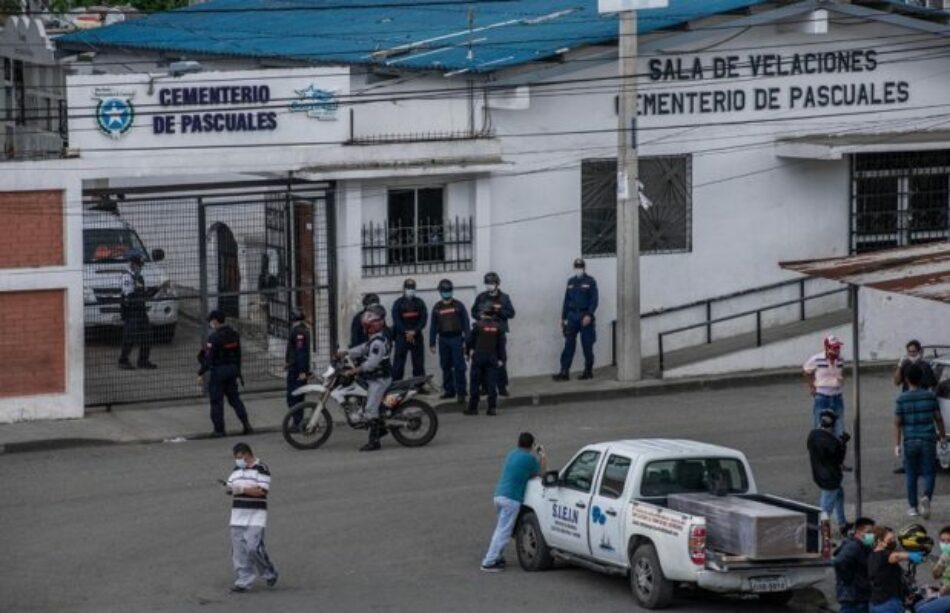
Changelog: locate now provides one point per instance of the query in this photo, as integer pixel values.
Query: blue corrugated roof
(504, 33)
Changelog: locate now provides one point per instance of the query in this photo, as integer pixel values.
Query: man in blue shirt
(577, 317)
(916, 425)
(520, 466)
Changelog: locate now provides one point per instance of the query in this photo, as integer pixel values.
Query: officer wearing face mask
(450, 326)
(357, 335)
(577, 317)
(499, 304)
(409, 320)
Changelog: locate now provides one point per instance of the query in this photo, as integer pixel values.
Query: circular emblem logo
(115, 116)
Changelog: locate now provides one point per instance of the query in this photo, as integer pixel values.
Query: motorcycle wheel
(300, 439)
(422, 426)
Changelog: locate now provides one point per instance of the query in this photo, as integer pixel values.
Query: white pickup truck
(606, 511)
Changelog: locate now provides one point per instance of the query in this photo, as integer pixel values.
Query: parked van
(107, 239)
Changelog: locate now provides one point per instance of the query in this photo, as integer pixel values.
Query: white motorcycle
(308, 425)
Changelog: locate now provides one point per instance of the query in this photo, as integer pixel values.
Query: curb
(648, 388)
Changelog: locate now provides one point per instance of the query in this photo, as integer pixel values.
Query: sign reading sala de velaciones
(207, 109)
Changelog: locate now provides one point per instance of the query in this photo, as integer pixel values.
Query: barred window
(665, 214)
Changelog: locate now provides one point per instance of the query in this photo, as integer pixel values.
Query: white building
(766, 133)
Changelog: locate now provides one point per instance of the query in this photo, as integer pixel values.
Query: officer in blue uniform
(357, 334)
(297, 359)
(577, 317)
(498, 303)
(449, 324)
(133, 308)
(485, 347)
(409, 320)
(222, 356)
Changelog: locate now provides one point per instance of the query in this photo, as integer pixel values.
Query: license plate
(761, 585)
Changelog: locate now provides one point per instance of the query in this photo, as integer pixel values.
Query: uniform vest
(488, 335)
(385, 368)
(450, 320)
(134, 303)
(410, 312)
(227, 347)
(298, 341)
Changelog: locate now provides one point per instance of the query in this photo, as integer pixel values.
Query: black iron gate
(255, 250)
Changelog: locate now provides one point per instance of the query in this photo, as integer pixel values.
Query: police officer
(485, 347)
(577, 317)
(375, 368)
(222, 356)
(409, 320)
(498, 302)
(134, 310)
(297, 359)
(450, 324)
(357, 336)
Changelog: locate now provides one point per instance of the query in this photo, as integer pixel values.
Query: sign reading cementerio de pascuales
(138, 111)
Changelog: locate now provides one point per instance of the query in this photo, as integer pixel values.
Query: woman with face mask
(885, 572)
(941, 570)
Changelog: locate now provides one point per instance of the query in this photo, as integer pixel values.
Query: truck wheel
(533, 552)
(650, 586)
(777, 599)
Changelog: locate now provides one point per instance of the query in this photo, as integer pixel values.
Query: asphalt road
(144, 527)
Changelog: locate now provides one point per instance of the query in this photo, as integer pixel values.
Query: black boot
(561, 376)
(373, 443)
(588, 374)
(247, 428)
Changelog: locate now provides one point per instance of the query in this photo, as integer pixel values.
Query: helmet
(373, 319)
(296, 315)
(134, 255)
(370, 299)
(914, 537)
(445, 285)
(217, 315)
(491, 278)
(409, 284)
(580, 263)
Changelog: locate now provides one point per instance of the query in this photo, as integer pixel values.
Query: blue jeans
(833, 501)
(452, 361)
(853, 607)
(894, 605)
(825, 403)
(507, 510)
(937, 605)
(920, 457)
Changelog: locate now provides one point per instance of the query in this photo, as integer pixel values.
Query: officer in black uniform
(485, 347)
(357, 335)
(498, 302)
(577, 317)
(297, 359)
(449, 322)
(222, 356)
(134, 310)
(409, 320)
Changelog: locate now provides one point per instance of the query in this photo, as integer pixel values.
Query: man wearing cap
(450, 327)
(134, 310)
(409, 320)
(222, 357)
(824, 373)
(297, 359)
(577, 317)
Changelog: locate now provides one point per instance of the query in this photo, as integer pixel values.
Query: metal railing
(393, 249)
(757, 313)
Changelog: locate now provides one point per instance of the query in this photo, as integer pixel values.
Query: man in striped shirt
(248, 485)
(824, 373)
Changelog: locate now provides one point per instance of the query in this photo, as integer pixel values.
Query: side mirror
(158, 255)
(550, 479)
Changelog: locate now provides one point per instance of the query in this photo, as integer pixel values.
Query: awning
(922, 271)
(833, 147)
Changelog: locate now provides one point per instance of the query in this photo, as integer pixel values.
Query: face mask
(240, 463)
(578, 272)
(491, 287)
(891, 546)
(410, 293)
(446, 295)
(913, 358)
(945, 549)
(868, 539)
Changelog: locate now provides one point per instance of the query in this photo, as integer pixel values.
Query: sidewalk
(152, 423)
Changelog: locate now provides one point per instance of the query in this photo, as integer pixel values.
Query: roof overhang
(834, 147)
(921, 271)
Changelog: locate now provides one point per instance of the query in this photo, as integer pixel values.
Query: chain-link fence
(253, 250)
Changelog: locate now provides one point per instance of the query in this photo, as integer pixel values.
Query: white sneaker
(925, 507)
(912, 512)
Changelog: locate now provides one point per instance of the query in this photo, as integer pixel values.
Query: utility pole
(628, 207)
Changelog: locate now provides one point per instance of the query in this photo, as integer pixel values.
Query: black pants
(223, 383)
(293, 382)
(136, 331)
(485, 373)
(416, 350)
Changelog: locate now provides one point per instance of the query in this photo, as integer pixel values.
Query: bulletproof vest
(410, 311)
(295, 343)
(385, 368)
(488, 335)
(450, 321)
(135, 302)
(227, 344)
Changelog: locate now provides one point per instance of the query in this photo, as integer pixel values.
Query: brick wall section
(32, 225)
(32, 342)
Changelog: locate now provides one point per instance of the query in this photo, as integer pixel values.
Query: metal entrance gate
(255, 250)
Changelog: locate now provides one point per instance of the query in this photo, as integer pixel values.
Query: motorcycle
(308, 424)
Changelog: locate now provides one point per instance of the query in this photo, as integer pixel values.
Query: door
(569, 504)
(229, 274)
(607, 511)
(304, 268)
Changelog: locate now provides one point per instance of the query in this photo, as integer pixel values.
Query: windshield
(109, 244)
(694, 475)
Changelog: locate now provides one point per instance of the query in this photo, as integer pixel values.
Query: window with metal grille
(899, 199)
(665, 212)
(416, 237)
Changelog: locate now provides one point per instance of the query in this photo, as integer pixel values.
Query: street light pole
(628, 207)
